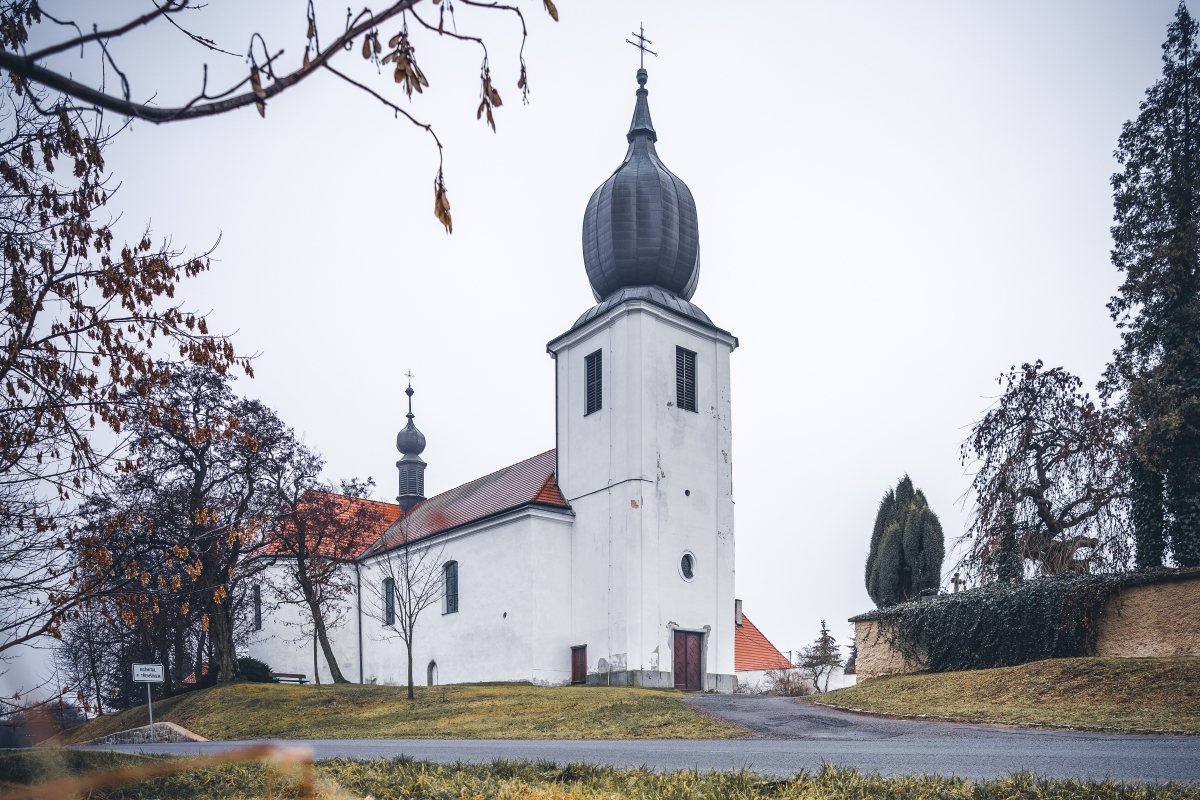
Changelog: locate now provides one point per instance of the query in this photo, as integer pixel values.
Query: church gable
(524, 483)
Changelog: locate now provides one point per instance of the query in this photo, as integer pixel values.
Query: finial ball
(642, 75)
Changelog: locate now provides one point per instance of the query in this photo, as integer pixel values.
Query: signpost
(148, 674)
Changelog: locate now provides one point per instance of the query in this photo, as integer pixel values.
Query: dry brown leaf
(553, 11)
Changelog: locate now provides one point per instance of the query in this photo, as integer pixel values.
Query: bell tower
(644, 437)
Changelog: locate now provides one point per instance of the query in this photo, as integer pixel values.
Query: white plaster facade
(646, 483)
(649, 482)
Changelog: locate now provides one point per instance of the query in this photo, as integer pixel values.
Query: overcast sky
(897, 202)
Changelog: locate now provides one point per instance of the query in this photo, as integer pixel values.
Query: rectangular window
(257, 608)
(685, 379)
(595, 382)
(451, 587)
(389, 601)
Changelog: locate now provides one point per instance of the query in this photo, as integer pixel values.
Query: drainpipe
(358, 578)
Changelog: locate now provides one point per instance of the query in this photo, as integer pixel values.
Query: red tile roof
(530, 481)
(752, 650)
(386, 513)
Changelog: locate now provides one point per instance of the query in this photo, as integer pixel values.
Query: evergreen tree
(907, 547)
(820, 659)
(1156, 246)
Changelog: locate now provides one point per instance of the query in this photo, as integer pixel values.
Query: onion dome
(640, 227)
(411, 443)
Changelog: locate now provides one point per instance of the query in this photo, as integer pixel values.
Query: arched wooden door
(688, 650)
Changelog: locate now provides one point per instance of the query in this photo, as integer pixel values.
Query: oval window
(686, 564)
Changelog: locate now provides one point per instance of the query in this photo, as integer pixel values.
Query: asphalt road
(789, 736)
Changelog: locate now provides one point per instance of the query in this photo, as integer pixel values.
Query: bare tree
(79, 316)
(1050, 471)
(411, 581)
(266, 77)
(322, 528)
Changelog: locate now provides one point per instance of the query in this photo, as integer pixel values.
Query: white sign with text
(148, 673)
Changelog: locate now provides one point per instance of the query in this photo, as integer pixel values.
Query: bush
(254, 670)
(787, 683)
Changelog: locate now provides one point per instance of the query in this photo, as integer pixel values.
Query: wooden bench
(288, 677)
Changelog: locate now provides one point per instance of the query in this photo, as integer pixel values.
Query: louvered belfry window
(595, 382)
(685, 379)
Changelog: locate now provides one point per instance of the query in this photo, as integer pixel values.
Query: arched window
(431, 674)
(257, 608)
(451, 570)
(389, 601)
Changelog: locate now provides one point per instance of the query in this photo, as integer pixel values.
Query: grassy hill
(469, 711)
(1144, 694)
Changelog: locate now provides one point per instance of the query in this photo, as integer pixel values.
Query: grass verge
(399, 778)
(1160, 695)
(468, 711)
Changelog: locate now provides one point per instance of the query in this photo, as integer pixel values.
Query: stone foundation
(164, 733)
(1159, 619)
(656, 679)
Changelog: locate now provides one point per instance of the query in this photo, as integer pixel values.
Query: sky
(897, 203)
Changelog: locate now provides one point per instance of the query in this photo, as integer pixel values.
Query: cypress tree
(1157, 217)
(907, 547)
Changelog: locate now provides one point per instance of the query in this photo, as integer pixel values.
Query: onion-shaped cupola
(640, 226)
(411, 443)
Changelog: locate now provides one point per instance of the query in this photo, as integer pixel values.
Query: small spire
(411, 443)
(641, 125)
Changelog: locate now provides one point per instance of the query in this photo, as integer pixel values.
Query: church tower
(411, 443)
(644, 437)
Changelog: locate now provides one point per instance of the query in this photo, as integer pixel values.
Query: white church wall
(286, 643)
(513, 617)
(649, 482)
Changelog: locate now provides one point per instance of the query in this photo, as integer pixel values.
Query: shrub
(786, 683)
(254, 670)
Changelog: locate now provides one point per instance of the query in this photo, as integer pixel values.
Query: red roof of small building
(752, 650)
(529, 481)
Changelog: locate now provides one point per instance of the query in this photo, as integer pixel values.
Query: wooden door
(579, 664)
(688, 675)
(693, 663)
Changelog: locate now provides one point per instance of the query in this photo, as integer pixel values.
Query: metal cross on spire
(641, 43)
(410, 376)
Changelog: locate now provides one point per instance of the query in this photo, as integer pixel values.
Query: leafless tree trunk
(413, 572)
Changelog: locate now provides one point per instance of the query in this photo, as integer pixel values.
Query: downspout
(358, 579)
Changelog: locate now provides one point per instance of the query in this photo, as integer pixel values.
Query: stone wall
(164, 732)
(1152, 620)
(1160, 619)
(876, 657)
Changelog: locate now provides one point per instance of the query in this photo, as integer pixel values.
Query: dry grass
(1143, 694)
(501, 780)
(469, 711)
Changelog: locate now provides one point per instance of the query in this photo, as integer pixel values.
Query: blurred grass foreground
(399, 778)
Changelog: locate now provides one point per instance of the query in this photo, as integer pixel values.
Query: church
(609, 559)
